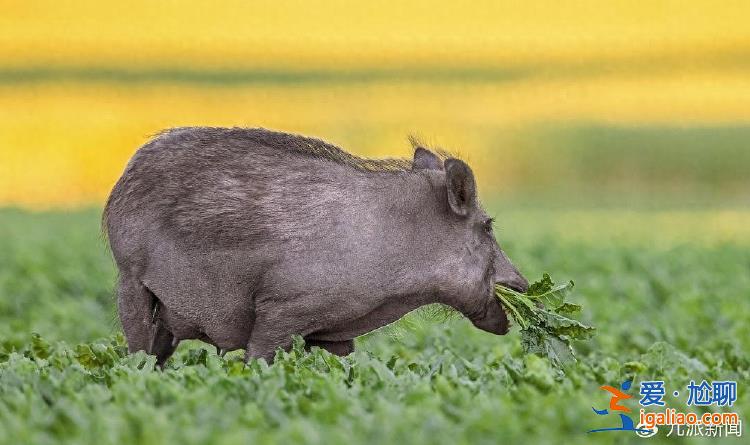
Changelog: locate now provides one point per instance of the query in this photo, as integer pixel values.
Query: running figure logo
(618, 395)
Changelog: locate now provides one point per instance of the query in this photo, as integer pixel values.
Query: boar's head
(469, 261)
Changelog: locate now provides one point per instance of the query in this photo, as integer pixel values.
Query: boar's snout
(507, 275)
(516, 282)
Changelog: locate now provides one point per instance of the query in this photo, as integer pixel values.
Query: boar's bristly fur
(245, 237)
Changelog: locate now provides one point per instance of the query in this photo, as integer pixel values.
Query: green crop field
(667, 290)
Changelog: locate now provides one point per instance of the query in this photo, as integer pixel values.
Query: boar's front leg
(340, 348)
(275, 325)
(272, 330)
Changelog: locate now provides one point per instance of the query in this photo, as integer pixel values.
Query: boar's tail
(105, 214)
(112, 203)
(120, 188)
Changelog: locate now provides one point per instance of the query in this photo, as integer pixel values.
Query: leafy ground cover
(668, 295)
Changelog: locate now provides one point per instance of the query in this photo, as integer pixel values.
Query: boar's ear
(462, 190)
(424, 159)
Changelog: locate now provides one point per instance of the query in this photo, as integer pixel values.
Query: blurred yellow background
(615, 98)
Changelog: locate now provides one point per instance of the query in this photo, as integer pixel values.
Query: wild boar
(245, 237)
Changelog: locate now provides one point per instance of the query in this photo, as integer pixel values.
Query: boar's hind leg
(141, 321)
(340, 348)
(162, 343)
(133, 303)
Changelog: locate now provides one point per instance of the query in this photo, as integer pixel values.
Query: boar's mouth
(518, 287)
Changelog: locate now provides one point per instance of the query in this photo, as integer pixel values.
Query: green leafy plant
(543, 315)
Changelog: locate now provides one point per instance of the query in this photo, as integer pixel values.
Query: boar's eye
(487, 224)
